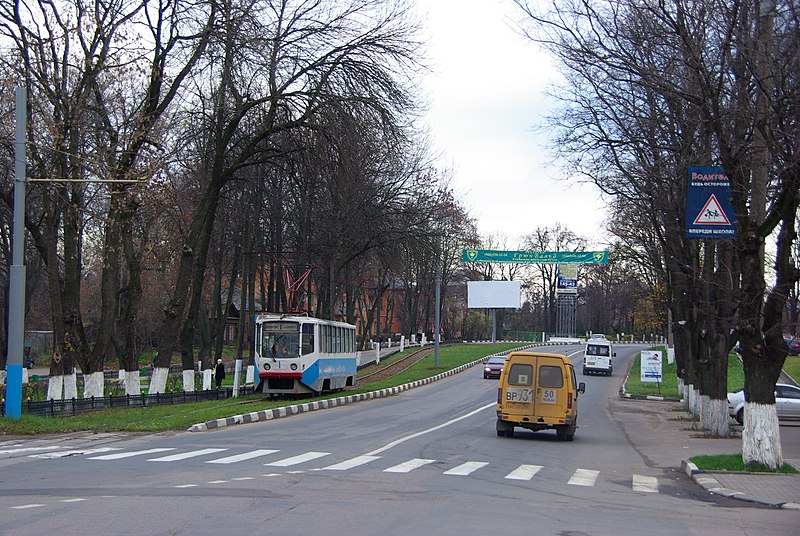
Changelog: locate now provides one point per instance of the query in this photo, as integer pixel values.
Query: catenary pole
(16, 307)
(436, 315)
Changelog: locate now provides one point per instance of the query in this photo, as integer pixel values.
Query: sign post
(652, 367)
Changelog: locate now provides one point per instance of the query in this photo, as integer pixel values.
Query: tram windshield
(280, 340)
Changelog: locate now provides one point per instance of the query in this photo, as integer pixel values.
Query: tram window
(307, 339)
(329, 339)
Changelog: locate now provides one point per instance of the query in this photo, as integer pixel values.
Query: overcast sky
(486, 95)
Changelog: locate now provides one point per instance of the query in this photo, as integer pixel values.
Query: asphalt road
(427, 461)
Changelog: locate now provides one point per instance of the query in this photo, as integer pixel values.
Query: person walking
(219, 373)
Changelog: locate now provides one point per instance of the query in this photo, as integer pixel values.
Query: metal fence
(74, 406)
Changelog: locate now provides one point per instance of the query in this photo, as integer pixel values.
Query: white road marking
(466, 468)
(26, 506)
(186, 486)
(216, 481)
(131, 454)
(583, 477)
(349, 464)
(185, 455)
(408, 466)
(294, 460)
(246, 456)
(243, 478)
(65, 453)
(27, 449)
(429, 430)
(76, 499)
(647, 484)
(524, 472)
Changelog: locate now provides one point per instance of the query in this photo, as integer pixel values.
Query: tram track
(394, 368)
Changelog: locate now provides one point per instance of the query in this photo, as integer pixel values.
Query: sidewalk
(662, 434)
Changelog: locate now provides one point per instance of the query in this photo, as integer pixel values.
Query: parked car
(787, 403)
(792, 342)
(493, 367)
(794, 345)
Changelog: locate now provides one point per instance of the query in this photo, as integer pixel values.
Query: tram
(303, 355)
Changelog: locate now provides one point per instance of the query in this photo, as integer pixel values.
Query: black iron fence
(74, 406)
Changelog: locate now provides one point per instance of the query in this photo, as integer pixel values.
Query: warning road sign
(712, 213)
(709, 211)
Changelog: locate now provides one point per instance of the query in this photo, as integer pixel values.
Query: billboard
(567, 282)
(535, 257)
(494, 295)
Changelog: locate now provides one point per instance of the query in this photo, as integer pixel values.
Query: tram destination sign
(536, 257)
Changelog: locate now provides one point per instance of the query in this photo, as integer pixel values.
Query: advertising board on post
(651, 366)
(709, 211)
(494, 294)
(567, 282)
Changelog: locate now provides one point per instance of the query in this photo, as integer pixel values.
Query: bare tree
(94, 119)
(721, 79)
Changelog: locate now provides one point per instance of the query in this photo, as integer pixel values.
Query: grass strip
(669, 386)
(734, 463)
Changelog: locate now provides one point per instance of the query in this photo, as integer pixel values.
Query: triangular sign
(712, 214)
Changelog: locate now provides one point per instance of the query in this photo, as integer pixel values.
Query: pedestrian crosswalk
(297, 463)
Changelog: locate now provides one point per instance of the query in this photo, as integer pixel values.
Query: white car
(787, 403)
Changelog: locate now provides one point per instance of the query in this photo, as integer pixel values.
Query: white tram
(301, 354)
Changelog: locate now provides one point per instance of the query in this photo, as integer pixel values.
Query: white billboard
(494, 295)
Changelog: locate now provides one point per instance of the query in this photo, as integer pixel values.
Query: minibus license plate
(519, 394)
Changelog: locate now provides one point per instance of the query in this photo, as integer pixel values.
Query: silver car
(787, 403)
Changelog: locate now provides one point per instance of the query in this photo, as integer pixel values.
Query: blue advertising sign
(567, 279)
(709, 212)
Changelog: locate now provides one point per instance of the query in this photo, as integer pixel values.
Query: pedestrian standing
(219, 373)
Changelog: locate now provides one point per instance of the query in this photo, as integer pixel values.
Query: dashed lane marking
(131, 454)
(583, 477)
(294, 460)
(242, 457)
(647, 484)
(524, 472)
(349, 464)
(185, 455)
(408, 466)
(466, 468)
(65, 453)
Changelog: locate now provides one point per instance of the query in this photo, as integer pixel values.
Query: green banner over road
(536, 257)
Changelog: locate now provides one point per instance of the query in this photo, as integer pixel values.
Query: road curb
(650, 397)
(707, 481)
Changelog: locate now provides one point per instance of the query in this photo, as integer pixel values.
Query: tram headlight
(266, 366)
(293, 366)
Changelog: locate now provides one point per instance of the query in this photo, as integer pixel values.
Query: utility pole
(16, 302)
(436, 315)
